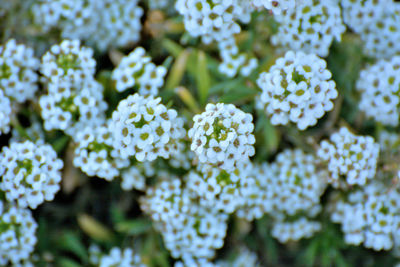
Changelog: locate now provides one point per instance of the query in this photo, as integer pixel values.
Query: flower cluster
(301, 227)
(350, 156)
(369, 215)
(276, 6)
(190, 231)
(377, 23)
(219, 189)
(30, 173)
(74, 98)
(213, 20)
(145, 128)
(18, 66)
(310, 27)
(297, 88)
(5, 113)
(117, 257)
(379, 85)
(103, 23)
(233, 61)
(136, 69)
(94, 153)
(243, 258)
(17, 234)
(133, 178)
(222, 136)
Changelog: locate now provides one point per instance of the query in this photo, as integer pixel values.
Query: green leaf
(134, 227)
(71, 242)
(94, 228)
(65, 262)
(202, 77)
(177, 70)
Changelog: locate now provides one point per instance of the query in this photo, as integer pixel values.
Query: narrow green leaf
(202, 77)
(134, 227)
(71, 242)
(94, 228)
(65, 262)
(178, 69)
(187, 98)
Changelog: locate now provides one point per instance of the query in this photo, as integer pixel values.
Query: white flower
(297, 88)
(17, 234)
(5, 113)
(222, 136)
(276, 6)
(350, 156)
(30, 173)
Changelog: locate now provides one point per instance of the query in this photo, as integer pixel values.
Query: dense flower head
(294, 230)
(213, 20)
(377, 23)
(18, 66)
(189, 230)
(17, 234)
(222, 136)
(276, 6)
(95, 154)
(133, 178)
(349, 156)
(5, 113)
(69, 107)
(310, 27)
(136, 69)
(298, 88)
(116, 257)
(369, 215)
(145, 128)
(68, 62)
(379, 85)
(102, 23)
(233, 61)
(219, 189)
(30, 173)
(244, 257)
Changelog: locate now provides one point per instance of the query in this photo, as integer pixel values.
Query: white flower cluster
(213, 20)
(389, 141)
(233, 61)
(219, 189)
(94, 153)
(18, 76)
(302, 227)
(159, 4)
(5, 113)
(190, 231)
(296, 185)
(349, 156)
(136, 69)
(182, 156)
(244, 258)
(17, 234)
(145, 128)
(369, 215)
(297, 88)
(103, 23)
(117, 257)
(133, 178)
(222, 136)
(30, 173)
(310, 27)
(379, 85)
(377, 23)
(74, 98)
(276, 6)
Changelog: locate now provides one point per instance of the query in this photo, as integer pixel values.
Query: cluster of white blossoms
(136, 69)
(310, 27)
(377, 23)
(102, 23)
(379, 85)
(276, 6)
(94, 153)
(74, 98)
(243, 258)
(219, 189)
(17, 234)
(349, 156)
(116, 257)
(190, 231)
(233, 61)
(297, 185)
(145, 128)
(369, 215)
(5, 113)
(222, 136)
(133, 178)
(18, 71)
(214, 20)
(30, 173)
(298, 88)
